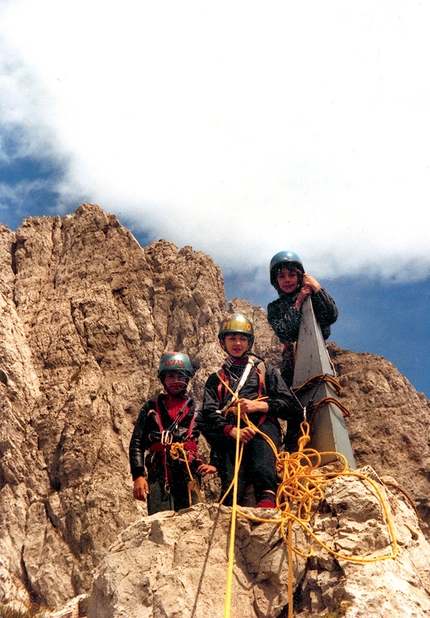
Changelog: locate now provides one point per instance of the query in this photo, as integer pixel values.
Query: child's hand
(205, 469)
(309, 285)
(252, 405)
(311, 282)
(141, 488)
(305, 291)
(245, 435)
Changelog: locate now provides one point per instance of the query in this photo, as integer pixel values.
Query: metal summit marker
(328, 430)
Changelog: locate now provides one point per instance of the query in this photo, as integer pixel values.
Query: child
(263, 396)
(293, 285)
(162, 423)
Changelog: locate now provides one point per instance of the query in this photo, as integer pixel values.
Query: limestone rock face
(86, 314)
(355, 522)
(388, 423)
(177, 564)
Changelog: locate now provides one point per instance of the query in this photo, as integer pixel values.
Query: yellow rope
(290, 568)
(176, 450)
(234, 511)
(300, 490)
(238, 464)
(235, 410)
(227, 605)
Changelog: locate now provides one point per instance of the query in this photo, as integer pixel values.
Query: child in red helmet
(163, 423)
(263, 396)
(293, 285)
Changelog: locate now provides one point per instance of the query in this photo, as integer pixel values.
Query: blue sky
(239, 130)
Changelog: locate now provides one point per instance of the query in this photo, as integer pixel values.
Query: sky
(241, 129)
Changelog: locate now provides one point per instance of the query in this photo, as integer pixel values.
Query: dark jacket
(146, 434)
(285, 319)
(282, 402)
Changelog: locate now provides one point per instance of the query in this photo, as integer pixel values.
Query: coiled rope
(300, 490)
(318, 381)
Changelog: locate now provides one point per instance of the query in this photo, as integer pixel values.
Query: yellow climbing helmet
(236, 323)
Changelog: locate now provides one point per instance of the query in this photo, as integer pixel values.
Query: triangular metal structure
(328, 430)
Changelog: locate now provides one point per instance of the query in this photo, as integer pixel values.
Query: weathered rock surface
(353, 524)
(176, 565)
(388, 423)
(85, 315)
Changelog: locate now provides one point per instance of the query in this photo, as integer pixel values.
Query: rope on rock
(405, 493)
(238, 456)
(300, 490)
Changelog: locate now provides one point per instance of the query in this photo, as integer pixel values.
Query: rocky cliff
(85, 315)
(176, 565)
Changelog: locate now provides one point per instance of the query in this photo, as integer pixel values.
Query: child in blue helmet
(163, 423)
(263, 396)
(293, 285)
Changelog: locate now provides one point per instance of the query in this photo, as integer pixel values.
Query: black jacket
(147, 433)
(282, 402)
(285, 319)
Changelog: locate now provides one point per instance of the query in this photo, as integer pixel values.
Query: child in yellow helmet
(263, 397)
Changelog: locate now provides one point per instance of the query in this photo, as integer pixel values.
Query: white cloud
(236, 129)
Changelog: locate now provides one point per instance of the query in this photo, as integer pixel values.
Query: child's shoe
(265, 503)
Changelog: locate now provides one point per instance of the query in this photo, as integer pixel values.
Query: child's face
(236, 345)
(175, 382)
(288, 280)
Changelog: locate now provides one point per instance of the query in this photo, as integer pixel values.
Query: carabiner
(166, 437)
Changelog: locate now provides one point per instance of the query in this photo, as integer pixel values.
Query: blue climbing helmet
(281, 259)
(175, 361)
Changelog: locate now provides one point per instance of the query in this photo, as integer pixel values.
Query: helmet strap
(179, 395)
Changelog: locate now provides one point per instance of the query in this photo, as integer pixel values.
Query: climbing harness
(180, 453)
(243, 379)
(184, 451)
